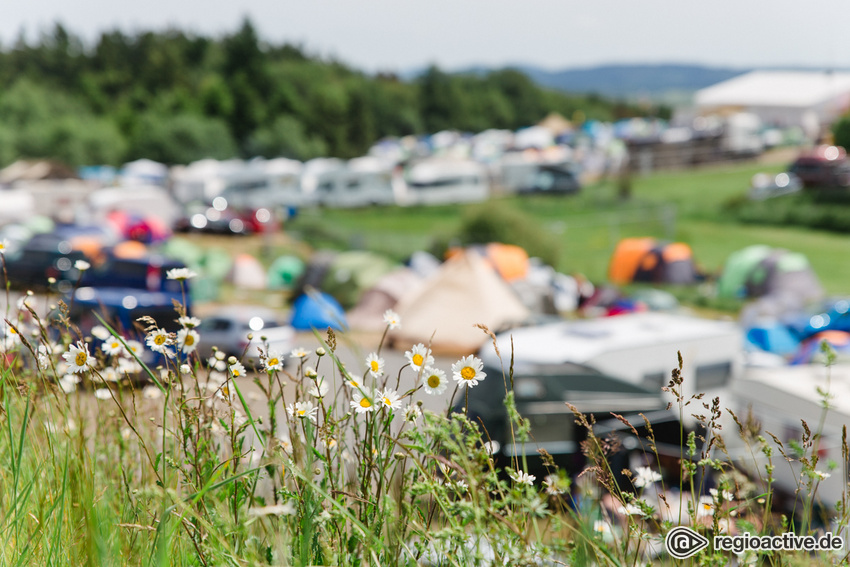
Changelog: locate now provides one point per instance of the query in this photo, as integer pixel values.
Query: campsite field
(683, 205)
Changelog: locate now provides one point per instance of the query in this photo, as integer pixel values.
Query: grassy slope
(589, 225)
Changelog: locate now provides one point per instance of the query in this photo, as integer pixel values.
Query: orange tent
(647, 260)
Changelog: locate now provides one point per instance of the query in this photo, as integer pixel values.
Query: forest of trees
(176, 97)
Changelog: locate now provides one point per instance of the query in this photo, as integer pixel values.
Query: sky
(400, 35)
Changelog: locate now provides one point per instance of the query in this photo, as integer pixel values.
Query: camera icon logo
(682, 542)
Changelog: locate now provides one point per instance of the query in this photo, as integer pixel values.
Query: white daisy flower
(555, 485)
(645, 476)
(302, 410)
(820, 475)
(412, 413)
(78, 358)
(12, 339)
(523, 477)
(113, 347)
(375, 364)
(68, 383)
(151, 392)
(110, 374)
(320, 388)
(389, 399)
(299, 353)
(82, 265)
(101, 332)
(237, 370)
(419, 356)
(601, 527)
(180, 274)
(185, 369)
(721, 495)
(705, 507)
(274, 361)
(158, 341)
(310, 372)
(391, 318)
(3, 246)
(187, 340)
(362, 403)
(189, 322)
(630, 510)
(435, 381)
(353, 382)
(43, 357)
(467, 371)
(133, 347)
(128, 366)
(102, 394)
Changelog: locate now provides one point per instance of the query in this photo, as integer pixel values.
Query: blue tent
(317, 311)
(775, 338)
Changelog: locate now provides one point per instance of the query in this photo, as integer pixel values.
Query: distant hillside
(633, 81)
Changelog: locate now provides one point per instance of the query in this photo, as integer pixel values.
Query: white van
(439, 181)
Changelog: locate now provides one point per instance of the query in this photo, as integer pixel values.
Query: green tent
(760, 270)
(352, 273)
(183, 250)
(284, 272)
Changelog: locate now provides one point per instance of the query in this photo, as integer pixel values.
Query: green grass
(586, 227)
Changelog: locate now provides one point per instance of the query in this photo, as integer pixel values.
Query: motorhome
(362, 182)
(270, 184)
(614, 364)
(441, 181)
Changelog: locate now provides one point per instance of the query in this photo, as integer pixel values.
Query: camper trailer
(270, 184)
(615, 364)
(780, 399)
(362, 182)
(444, 181)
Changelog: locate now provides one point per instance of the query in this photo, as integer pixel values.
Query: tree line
(176, 97)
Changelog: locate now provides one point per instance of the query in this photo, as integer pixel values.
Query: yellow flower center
(159, 340)
(235, 372)
(190, 340)
(433, 381)
(301, 412)
(387, 402)
(273, 362)
(81, 358)
(354, 384)
(115, 344)
(365, 403)
(374, 365)
(467, 373)
(418, 359)
(13, 331)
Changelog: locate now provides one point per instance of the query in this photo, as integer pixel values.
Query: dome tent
(317, 310)
(284, 272)
(759, 271)
(651, 261)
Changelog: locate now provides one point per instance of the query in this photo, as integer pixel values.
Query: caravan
(269, 184)
(362, 182)
(439, 181)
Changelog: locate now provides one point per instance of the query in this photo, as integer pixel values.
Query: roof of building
(776, 88)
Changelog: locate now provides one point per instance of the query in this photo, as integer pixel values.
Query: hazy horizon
(384, 35)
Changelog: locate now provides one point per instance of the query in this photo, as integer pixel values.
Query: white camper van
(266, 184)
(362, 182)
(442, 181)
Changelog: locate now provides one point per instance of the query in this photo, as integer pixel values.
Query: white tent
(465, 292)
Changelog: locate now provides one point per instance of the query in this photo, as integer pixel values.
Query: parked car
(228, 329)
(765, 186)
(823, 167)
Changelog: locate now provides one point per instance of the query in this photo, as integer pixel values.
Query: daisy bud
(185, 369)
(310, 372)
(320, 351)
(30, 293)
(51, 280)
(250, 336)
(231, 360)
